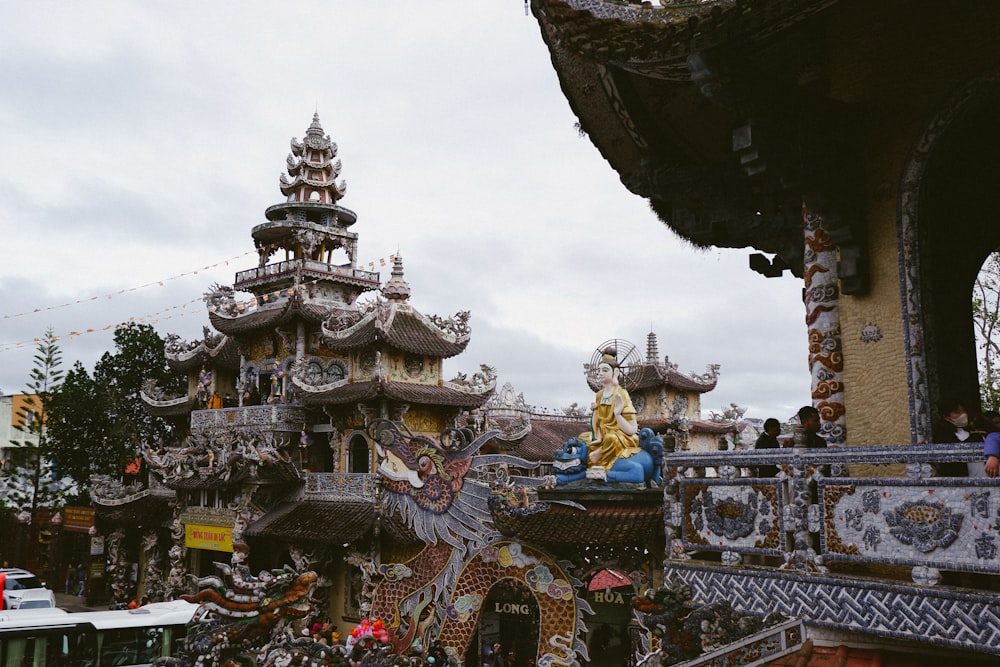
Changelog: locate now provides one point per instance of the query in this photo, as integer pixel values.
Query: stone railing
(341, 486)
(307, 269)
(271, 417)
(832, 540)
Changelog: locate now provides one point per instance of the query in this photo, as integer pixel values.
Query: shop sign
(612, 597)
(78, 519)
(511, 608)
(97, 545)
(213, 538)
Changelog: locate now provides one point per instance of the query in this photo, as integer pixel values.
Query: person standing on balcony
(768, 440)
(809, 420)
(953, 425)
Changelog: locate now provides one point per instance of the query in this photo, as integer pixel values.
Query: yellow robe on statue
(614, 443)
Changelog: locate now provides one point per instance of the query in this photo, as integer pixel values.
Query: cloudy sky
(141, 142)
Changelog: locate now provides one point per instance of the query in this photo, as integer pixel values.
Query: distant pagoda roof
(653, 373)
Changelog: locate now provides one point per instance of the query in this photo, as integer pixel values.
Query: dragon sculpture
(240, 615)
(438, 594)
(642, 468)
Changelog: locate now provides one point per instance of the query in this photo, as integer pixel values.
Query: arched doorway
(359, 454)
(510, 618)
(946, 229)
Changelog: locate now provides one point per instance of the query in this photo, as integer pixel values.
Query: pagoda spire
(652, 349)
(396, 289)
(313, 167)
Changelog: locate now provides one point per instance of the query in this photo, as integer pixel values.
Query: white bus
(125, 638)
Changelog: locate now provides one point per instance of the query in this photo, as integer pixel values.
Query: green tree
(986, 319)
(98, 423)
(31, 481)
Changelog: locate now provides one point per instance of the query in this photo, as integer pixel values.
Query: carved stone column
(822, 302)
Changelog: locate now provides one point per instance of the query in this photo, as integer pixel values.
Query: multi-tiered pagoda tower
(279, 396)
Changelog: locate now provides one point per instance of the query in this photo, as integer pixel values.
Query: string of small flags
(159, 316)
(152, 318)
(111, 295)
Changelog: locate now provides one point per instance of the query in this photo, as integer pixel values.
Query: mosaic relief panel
(912, 522)
(729, 515)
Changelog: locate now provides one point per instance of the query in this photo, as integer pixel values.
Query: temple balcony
(277, 417)
(856, 540)
(304, 270)
(337, 486)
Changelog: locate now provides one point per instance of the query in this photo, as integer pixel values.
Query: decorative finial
(396, 289)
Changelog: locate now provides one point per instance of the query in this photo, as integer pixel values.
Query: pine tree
(30, 481)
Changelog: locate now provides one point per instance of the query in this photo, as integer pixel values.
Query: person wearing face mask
(954, 425)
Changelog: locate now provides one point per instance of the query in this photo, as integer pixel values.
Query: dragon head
(418, 467)
(571, 457)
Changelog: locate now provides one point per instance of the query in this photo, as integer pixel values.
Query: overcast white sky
(143, 141)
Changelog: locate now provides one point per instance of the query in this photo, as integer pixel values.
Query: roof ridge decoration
(454, 329)
(482, 381)
(396, 289)
(349, 321)
(300, 378)
(312, 169)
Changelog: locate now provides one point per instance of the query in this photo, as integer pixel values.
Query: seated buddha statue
(614, 427)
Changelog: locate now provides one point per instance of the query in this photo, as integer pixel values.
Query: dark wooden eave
(717, 114)
(148, 511)
(329, 522)
(611, 518)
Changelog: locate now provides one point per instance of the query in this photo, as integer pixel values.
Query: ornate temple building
(250, 434)
(318, 431)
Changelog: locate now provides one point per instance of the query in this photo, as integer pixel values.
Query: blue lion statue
(643, 468)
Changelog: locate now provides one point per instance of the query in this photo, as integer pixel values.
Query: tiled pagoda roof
(345, 392)
(402, 327)
(174, 407)
(609, 518)
(222, 353)
(268, 316)
(329, 521)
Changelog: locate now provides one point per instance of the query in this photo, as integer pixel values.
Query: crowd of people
(953, 424)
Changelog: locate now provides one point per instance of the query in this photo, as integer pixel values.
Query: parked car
(35, 598)
(18, 583)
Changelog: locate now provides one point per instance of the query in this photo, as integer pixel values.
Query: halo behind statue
(629, 360)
